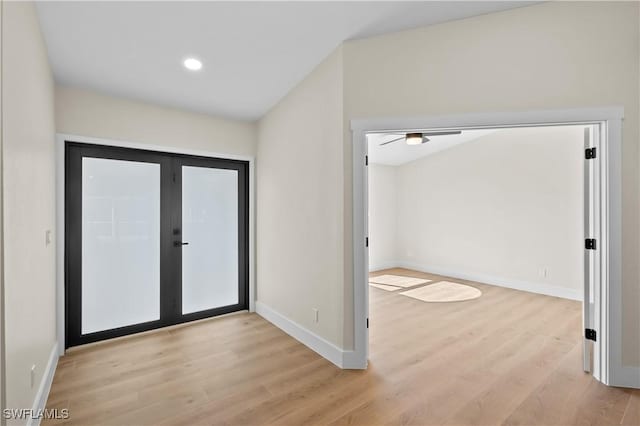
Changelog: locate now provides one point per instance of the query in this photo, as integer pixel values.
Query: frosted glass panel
(210, 226)
(120, 243)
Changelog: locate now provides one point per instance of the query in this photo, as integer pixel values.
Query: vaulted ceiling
(253, 52)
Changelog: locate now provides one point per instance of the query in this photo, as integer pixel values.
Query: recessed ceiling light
(192, 64)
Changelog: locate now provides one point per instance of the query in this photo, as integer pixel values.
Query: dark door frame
(170, 222)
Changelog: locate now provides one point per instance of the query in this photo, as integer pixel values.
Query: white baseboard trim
(383, 265)
(40, 401)
(626, 377)
(540, 288)
(326, 349)
(351, 360)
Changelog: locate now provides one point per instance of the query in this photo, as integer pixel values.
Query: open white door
(592, 273)
(366, 227)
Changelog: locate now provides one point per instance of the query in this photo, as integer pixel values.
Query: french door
(152, 239)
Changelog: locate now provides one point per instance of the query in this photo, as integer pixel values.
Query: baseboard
(353, 361)
(383, 265)
(539, 288)
(626, 377)
(40, 400)
(314, 342)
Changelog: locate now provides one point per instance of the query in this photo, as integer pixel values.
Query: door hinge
(590, 334)
(590, 153)
(590, 244)
(366, 160)
(366, 242)
(367, 322)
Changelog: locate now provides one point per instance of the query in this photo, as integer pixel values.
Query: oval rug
(444, 291)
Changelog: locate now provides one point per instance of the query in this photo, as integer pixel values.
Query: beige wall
(551, 55)
(87, 113)
(28, 178)
(299, 213)
(505, 208)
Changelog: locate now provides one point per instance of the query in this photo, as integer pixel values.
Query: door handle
(179, 243)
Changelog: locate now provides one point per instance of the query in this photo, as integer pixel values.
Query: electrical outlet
(47, 237)
(544, 272)
(315, 315)
(33, 375)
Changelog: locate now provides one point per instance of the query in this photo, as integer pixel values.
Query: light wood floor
(509, 357)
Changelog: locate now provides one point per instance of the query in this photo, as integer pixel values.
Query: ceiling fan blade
(393, 140)
(453, 132)
(424, 135)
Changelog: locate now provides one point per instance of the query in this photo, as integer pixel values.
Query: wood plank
(509, 357)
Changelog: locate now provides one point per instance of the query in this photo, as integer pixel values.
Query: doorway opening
(601, 226)
(471, 231)
(152, 239)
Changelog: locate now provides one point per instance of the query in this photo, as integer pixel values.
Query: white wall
(2, 363)
(299, 213)
(382, 217)
(88, 113)
(553, 55)
(29, 204)
(501, 209)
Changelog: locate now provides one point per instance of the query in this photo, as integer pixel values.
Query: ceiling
(253, 52)
(398, 153)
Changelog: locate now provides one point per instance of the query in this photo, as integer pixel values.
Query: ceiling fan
(419, 138)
